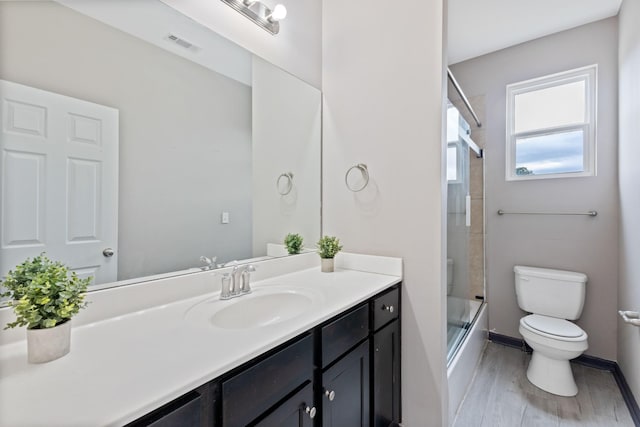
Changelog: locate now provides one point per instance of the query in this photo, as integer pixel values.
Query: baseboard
(508, 341)
(627, 395)
(590, 361)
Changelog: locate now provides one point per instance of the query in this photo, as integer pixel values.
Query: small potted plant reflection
(45, 296)
(328, 247)
(293, 242)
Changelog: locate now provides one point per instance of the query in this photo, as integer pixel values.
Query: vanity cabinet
(344, 372)
(386, 375)
(297, 411)
(198, 408)
(386, 358)
(346, 392)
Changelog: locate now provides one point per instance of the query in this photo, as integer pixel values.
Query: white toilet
(551, 296)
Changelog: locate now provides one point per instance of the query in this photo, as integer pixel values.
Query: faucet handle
(245, 287)
(210, 263)
(225, 289)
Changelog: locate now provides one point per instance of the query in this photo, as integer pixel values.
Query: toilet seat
(554, 328)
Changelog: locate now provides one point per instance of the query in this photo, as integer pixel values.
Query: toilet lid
(553, 326)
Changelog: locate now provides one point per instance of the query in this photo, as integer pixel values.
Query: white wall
(577, 243)
(286, 138)
(297, 48)
(185, 132)
(383, 91)
(629, 178)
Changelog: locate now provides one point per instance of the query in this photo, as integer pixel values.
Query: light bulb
(278, 13)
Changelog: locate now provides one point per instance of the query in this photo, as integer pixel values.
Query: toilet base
(551, 375)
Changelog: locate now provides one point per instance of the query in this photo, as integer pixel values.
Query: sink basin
(261, 308)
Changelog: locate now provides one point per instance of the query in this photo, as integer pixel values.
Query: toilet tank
(555, 293)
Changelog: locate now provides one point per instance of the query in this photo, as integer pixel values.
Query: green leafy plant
(328, 246)
(43, 293)
(293, 242)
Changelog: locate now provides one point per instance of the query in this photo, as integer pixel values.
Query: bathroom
(356, 54)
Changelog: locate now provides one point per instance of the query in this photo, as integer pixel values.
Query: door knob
(330, 395)
(108, 252)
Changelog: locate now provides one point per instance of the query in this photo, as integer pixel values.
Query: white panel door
(58, 181)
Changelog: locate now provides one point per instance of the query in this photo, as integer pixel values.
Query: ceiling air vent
(182, 43)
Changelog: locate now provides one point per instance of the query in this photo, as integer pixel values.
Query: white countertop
(123, 367)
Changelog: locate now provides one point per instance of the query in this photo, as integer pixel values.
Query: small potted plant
(293, 242)
(328, 247)
(44, 297)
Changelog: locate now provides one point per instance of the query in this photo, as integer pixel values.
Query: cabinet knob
(330, 395)
(388, 308)
(311, 412)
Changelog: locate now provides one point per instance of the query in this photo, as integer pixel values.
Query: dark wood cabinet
(346, 392)
(386, 375)
(194, 409)
(344, 372)
(253, 391)
(297, 411)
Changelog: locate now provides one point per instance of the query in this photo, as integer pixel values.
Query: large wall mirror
(135, 141)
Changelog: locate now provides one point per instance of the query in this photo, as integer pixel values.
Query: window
(551, 126)
(452, 162)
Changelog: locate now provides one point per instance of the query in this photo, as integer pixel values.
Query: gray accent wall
(576, 243)
(629, 180)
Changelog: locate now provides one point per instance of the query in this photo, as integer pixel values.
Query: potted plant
(44, 297)
(328, 247)
(293, 242)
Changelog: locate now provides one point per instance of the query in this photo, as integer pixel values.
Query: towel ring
(288, 176)
(364, 172)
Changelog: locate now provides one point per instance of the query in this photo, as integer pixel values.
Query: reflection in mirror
(136, 141)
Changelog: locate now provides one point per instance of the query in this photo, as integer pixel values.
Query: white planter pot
(326, 265)
(45, 345)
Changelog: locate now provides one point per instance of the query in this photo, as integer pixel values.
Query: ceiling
(480, 27)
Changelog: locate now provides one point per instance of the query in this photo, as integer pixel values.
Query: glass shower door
(462, 305)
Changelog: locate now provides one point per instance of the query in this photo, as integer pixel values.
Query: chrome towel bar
(590, 213)
(630, 317)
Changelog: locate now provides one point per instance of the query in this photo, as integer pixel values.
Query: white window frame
(589, 75)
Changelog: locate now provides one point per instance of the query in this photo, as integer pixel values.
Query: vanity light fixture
(260, 14)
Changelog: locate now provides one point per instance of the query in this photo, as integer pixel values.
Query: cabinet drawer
(385, 308)
(185, 411)
(297, 411)
(256, 389)
(344, 333)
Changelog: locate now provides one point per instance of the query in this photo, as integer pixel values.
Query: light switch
(225, 218)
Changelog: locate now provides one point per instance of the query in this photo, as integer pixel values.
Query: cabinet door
(386, 375)
(346, 393)
(297, 411)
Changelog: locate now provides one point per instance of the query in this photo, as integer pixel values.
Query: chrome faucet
(236, 283)
(210, 263)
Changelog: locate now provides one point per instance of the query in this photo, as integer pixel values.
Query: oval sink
(256, 310)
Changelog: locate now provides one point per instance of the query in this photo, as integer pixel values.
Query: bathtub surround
(582, 244)
(628, 337)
